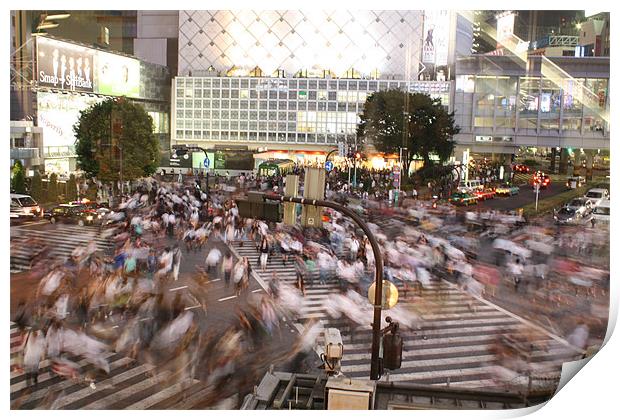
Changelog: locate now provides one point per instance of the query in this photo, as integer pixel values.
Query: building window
(550, 105)
(465, 83)
(596, 89)
(572, 108)
(529, 96)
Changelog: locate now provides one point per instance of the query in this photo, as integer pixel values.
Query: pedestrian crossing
(129, 385)
(61, 240)
(451, 344)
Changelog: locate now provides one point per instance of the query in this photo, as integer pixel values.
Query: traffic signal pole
(375, 372)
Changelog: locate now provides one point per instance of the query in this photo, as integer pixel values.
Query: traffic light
(392, 351)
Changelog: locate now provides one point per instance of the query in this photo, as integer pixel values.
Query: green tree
(71, 189)
(36, 189)
(111, 129)
(18, 182)
(52, 188)
(426, 129)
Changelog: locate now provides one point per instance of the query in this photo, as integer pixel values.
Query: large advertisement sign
(63, 65)
(505, 27)
(436, 37)
(58, 113)
(117, 75)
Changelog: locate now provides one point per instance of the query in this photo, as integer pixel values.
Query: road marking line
(177, 288)
(226, 298)
(193, 307)
(257, 290)
(214, 280)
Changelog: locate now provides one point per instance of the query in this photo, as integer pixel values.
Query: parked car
(71, 213)
(471, 186)
(540, 178)
(575, 182)
(485, 194)
(597, 195)
(507, 189)
(567, 215)
(24, 207)
(581, 205)
(521, 169)
(463, 198)
(601, 213)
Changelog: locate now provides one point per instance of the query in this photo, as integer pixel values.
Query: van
(601, 214)
(24, 206)
(597, 195)
(471, 186)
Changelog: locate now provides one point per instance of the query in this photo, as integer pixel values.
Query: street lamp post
(375, 371)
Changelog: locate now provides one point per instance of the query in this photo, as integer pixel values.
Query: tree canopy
(426, 129)
(72, 192)
(111, 129)
(18, 182)
(52, 188)
(36, 187)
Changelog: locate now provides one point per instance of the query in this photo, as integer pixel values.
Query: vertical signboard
(436, 37)
(62, 65)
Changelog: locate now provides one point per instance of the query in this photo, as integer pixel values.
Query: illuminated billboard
(63, 65)
(117, 75)
(436, 37)
(58, 113)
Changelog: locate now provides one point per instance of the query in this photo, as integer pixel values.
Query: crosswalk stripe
(61, 241)
(452, 341)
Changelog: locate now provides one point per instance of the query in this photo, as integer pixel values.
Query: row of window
(321, 95)
(530, 89)
(274, 105)
(275, 116)
(301, 125)
(254, 83)
(590, 123)
(262, 136)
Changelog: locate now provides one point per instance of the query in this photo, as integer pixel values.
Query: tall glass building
(294, 82)
(285, 112)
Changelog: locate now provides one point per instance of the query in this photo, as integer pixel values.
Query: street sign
(389, 292)
(329, 165)
(206, 162)
(396, 169)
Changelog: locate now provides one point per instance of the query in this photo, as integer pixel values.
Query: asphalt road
(526, 196)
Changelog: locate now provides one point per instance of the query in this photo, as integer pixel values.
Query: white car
(601, 212)
(581, 205)
(24, 206)
(597, 195)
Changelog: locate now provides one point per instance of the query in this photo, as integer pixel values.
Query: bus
(276, 167)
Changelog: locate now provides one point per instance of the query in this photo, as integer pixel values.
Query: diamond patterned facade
(382, 42)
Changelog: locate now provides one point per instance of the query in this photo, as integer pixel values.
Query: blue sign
(206, 162)
(329, 165)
